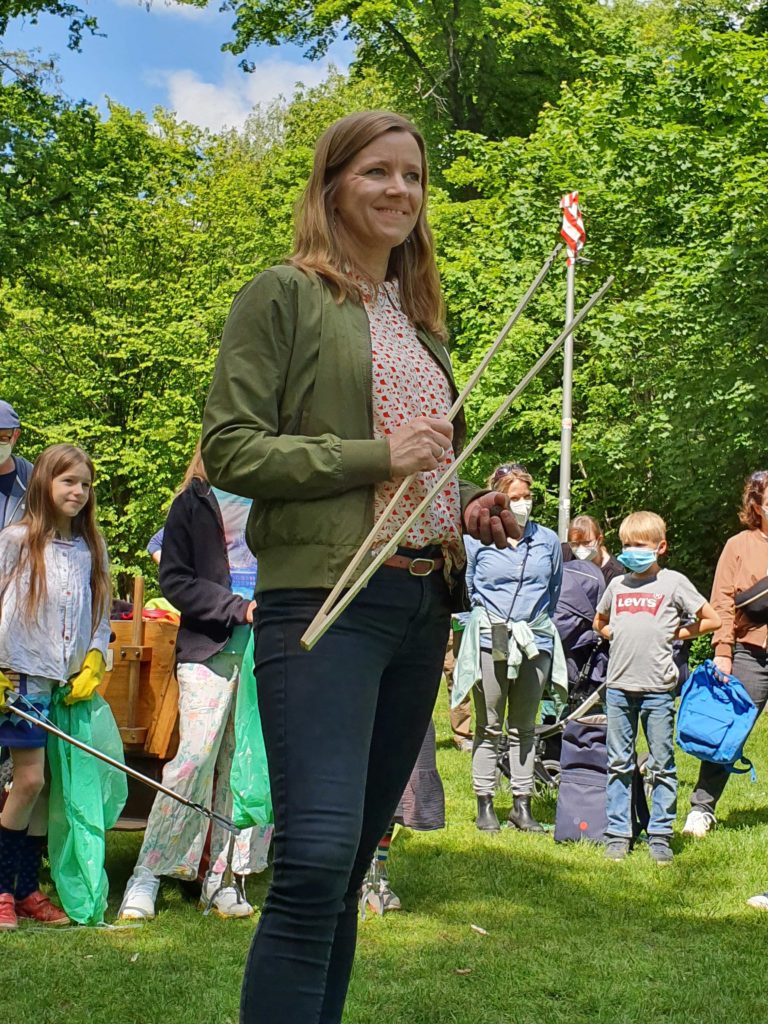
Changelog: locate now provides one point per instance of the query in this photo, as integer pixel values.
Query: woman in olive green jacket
(333, 382)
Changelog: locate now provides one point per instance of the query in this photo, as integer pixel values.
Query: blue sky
(170, 56)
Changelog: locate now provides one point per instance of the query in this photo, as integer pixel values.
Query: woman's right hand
(249, 613)
(724, 664)
(419, 445)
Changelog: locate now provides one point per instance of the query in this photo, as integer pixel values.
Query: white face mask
(763, 507)
(584, 551)
(5, 451)
(521, 510)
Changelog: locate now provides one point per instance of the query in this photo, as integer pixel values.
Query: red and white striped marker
(573, 226)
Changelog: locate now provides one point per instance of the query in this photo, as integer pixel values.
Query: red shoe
(8, 919)
(39, 908)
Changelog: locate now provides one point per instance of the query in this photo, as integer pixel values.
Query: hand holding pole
(320, 625)
(386, 515)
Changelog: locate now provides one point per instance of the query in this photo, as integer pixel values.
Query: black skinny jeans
(750, 666)
(343, 725)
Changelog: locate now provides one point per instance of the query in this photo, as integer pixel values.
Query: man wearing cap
(14, 471)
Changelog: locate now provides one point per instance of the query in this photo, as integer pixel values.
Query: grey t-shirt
(644, 614)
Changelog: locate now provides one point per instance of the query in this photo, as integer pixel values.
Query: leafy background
(124, 242)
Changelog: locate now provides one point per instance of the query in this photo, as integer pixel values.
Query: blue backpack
(715, 718)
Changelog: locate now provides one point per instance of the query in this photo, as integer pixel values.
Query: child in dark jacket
(208, 573)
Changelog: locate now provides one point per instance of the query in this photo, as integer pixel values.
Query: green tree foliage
(78, 21)
(670, 156)
(128, 245)
(479, 65)
(125, 243)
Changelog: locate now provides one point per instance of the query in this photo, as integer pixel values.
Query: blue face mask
(637, 559)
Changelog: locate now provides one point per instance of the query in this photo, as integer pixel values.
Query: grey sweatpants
(520, 697)
(750, 666)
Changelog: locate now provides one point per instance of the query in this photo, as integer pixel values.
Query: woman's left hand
(488, 528)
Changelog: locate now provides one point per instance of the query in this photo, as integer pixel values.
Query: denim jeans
(343, 725)
(656, 712)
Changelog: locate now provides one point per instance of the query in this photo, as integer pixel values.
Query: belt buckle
(429, 562)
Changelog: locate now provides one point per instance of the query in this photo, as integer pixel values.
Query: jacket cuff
(364, 462)
(468, 494)
(723, 650)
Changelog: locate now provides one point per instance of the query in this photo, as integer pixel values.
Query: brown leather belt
(415, 566)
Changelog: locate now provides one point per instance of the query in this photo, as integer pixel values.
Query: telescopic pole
(14, 702)
(566, 427)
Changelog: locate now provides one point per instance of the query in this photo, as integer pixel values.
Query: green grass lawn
(571, 938)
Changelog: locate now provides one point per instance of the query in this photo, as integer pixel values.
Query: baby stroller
(546, 765)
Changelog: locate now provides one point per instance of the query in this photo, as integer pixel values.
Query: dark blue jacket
(194, 575)
(13, 507)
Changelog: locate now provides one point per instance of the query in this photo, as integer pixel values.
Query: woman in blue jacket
(517, 586)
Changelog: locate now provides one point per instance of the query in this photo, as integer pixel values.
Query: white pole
(566, 428)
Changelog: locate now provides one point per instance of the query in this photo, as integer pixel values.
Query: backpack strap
(748, 767)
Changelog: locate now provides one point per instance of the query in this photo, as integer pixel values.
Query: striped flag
(573, 226)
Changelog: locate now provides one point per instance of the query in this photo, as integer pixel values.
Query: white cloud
(173, 9)
(228, 102)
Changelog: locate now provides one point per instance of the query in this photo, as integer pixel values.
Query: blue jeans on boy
(656, 712)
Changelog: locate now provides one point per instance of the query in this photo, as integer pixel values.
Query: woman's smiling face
(380, 194)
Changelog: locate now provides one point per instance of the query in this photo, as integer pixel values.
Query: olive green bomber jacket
(289, 423)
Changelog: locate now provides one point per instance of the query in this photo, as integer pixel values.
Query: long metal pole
(566, 427)
(12, 702)
(363, 551)
(316, 629)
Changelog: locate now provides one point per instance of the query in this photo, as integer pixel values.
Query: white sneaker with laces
(760, 901)
(698, 823)
(140, 895)
(228, 901)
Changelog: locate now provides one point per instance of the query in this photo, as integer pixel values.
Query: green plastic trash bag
(87, 797)
(249, 779)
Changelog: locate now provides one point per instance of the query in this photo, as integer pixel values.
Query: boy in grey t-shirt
(642, 613)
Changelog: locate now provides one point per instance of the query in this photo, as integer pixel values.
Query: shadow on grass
(570, 937)
(745, 818)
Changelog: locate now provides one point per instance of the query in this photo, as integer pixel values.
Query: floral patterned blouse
(407, 383)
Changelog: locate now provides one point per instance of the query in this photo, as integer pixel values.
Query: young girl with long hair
(54, 631)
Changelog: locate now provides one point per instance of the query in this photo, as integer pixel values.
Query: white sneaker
(698, 823)
(227, 902)
(760, 901)
(140, 895)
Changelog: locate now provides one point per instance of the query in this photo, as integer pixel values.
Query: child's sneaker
(39, 908)
(8, 919)
(616, 849)
(140, 895)
(698, 823)
(227, 901)
(660, 850)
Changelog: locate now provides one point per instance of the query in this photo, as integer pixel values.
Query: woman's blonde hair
(317, 247)
(195, 470)
(502, 478)
(643, 528)
(40, 519)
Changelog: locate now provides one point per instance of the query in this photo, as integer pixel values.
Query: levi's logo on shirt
(634, 603)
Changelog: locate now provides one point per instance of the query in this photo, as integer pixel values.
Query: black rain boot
(486, 819)
(520, 816)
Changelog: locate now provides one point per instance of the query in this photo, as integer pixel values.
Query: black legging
(343, 725)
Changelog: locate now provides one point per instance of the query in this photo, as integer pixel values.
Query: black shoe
(486, 819)
(520, 816)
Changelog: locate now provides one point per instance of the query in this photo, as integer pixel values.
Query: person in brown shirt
(740, 643)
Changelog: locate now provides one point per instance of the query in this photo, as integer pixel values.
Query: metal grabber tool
(16, 703)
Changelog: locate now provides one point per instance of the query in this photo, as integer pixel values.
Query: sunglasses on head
(512, 467)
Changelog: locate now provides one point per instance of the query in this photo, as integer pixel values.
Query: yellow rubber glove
(83, 685)
(6, 686)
